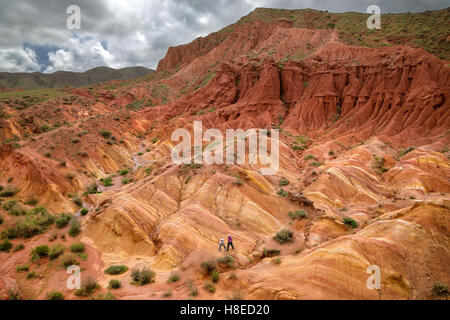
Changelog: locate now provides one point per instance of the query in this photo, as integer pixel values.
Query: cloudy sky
(121, 33)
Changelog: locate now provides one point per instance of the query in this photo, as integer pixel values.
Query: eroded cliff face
(364, 135)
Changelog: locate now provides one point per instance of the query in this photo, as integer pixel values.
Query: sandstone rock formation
(364, 135)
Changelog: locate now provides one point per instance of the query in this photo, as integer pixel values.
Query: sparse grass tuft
(440, 289)
(350, 222)
(56, 251)
(77, 247)
(208, 266)
(284, 236)
(114, 284)
(75, 228)
(68, 259)
(55, 295)
(23, 268)
(298, 215)
(173, 278)
(215, 275)
(226, 261)
(119, 269)
(210, 287)
(63, 221)
(283, 182)
(271, 252)
(88, 286)
(40, 252)
(143, 277)
(5, 246)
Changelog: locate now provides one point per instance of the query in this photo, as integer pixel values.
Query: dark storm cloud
(119, 33)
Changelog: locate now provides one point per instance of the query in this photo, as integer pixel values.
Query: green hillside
(429, 30)
(37, 80)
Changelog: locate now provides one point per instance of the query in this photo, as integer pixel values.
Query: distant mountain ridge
(38, 80)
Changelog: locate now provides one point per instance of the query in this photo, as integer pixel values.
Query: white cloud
(60, 60)
(137, 32)
(79, 55)
(18, 60)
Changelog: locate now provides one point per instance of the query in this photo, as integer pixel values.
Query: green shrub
(116, 269)
(6, 245)
(36, 222)
(215, 276)
(53, 237)
(75, 228)
(210, 287)
(282, 193)
(56, 251)
(232, 276)
(92, 189)
(31, 275)
(14, 294)
(125, 181)
(105, 296)
(77, 247)
(68, 259)
(55, 295)
(298, 215)
(19, 247)
(350, 222)
(194, 292)
(143, 277)
(167, 293)
(107, 182)
(114, 284)
(62, 221)
(40, 251)
(173, 278)
(23, 268)
(10, 233)
(83, 256)
(88, 287)
(226, 261)
(106, 134)
(208, 266)
(439, 289)
(284, 236)
(310, 157)
(271, 252)
(378, 164)
(9, 191)
(124, 172)
(84, 211)
(78, 201)
(31, 202)
(277, 261)
(283, 182)
(406, 151)
(14, 208)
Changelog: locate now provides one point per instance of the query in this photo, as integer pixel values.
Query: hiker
(222, 243)
(230, 242)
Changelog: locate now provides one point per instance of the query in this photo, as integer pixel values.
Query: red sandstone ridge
(363, 177)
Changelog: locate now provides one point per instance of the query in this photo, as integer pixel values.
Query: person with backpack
(222, 243)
